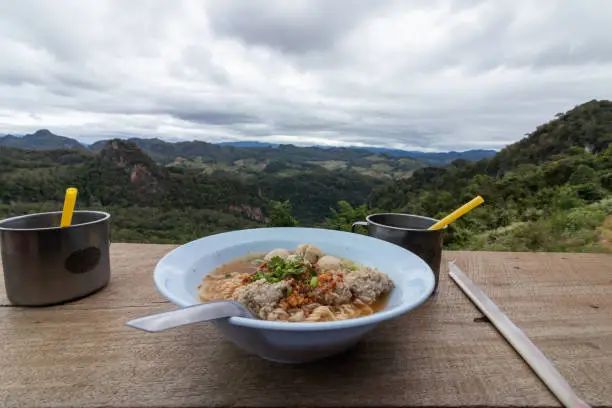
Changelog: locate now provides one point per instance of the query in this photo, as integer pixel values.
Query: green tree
(586, 182)
(280, 214)
(343, 217)
(583, 175)
(606, 180)
(566, 199)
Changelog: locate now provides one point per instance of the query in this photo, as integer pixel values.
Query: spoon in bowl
(201, 312)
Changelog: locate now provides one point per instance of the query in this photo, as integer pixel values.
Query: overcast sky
(433, 75)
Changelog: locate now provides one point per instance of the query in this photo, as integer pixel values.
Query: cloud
(299, 26)
(435, 75)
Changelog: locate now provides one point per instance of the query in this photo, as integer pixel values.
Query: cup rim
(369, 220)
(105, 216)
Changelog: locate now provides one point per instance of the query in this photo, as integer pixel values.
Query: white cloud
(431, 74)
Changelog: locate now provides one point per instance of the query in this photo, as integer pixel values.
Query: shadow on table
(372, 370)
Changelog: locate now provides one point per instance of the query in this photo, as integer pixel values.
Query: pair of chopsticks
(517, 338)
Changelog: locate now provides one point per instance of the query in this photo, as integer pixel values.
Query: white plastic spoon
(201, 312)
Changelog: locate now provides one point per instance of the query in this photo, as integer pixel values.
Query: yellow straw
(69, 202)
(459, 212)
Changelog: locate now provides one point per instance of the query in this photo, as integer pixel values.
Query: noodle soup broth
(300, 285)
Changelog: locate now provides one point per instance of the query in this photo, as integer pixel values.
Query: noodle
(219, 287)
(342, 312)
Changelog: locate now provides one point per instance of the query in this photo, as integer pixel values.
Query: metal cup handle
(358, 224)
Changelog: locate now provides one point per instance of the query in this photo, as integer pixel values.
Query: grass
(605, 233)
(587, 228)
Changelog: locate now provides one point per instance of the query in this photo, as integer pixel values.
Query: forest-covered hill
(139, 191)
(552, 190)
(245, 158)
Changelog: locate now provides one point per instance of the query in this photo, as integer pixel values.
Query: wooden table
(442, 354)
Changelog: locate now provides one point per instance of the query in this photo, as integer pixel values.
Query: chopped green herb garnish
(228, 275)
(289, 291)
(259, 275)
(277, 269)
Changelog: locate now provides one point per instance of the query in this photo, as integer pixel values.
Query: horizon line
(231, 141)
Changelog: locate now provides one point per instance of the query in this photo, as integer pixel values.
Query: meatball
(331, 289)
(339, 295)
(282, 253)
(309, 253)
(329, 262)
(294, 258)
(260, 295)
(368, 284)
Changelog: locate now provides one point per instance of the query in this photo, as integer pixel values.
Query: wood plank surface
(442, 354)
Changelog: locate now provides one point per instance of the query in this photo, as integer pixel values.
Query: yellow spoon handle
(459, 212)
(69, 203)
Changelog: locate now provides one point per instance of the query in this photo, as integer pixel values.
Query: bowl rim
(160, 276)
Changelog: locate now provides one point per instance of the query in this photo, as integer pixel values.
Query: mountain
(244, 157)
(551, 190)
(121, 178)
(121, 171)
(166, 152)
(248, 144)
(40, 140)
(148, 202)
(587, 126)
(229, 152)
(287, 160)
(437, 158)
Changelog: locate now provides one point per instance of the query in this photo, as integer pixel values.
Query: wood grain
(442, 354)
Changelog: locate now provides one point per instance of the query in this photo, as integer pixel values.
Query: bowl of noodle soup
(313, 292)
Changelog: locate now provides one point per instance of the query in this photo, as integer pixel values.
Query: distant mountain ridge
(42, 139)
(166, 152)
(431, 157)
(441, 157)
(550, 191)
(249, 144)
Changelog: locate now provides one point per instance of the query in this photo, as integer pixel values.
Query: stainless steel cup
(409, 232)
(45, 264)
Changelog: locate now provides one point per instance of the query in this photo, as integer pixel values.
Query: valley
(550, 191)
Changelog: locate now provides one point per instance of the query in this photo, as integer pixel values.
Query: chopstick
(521, 343)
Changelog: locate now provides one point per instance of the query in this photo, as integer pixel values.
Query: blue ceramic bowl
(178, 274)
